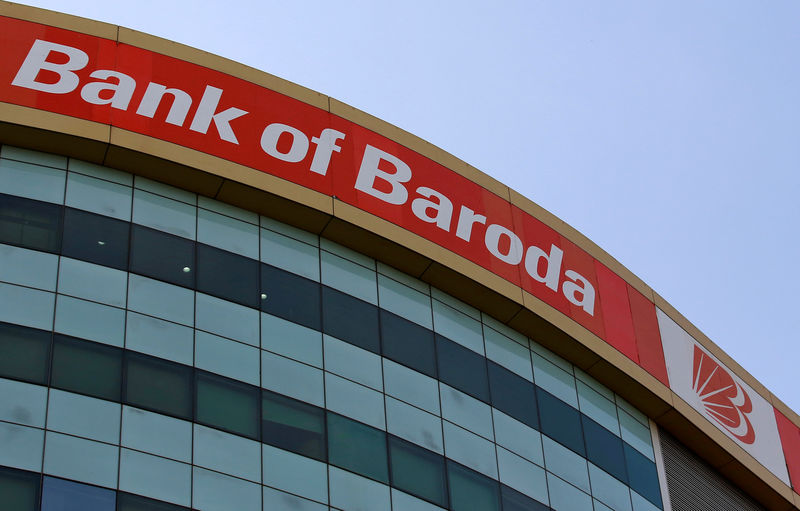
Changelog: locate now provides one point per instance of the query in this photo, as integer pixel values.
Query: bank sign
(130, 88)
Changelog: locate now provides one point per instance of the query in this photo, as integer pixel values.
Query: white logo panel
(720, 396)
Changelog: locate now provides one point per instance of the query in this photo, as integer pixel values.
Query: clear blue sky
(668, 132)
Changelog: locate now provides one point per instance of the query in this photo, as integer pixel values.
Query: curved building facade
(222, 291)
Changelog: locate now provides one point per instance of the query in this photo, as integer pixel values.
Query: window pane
(513, 395)
(29, 223)
(19, 490)
(462, 368)
(158, 385)
(228, 405)
(350, 319)
(408, 343)
(560, 421)
(643, 475)
(87, 368)
(418, 471)
(470, 490)
(129, 502)
(604, 449)
(162, 256)
(62, 495)
(24, 353)
(357, 447)
(291, 297)
(95, 238)
(293, 425)
(516, 501)
(227, 275)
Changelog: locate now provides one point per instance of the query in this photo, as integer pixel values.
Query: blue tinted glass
(30, 223)
(128, 502)
(513, 395)
(61, 495)
(350, 319)
(24, 353)
(227, 275)
(470, 491)
(462, 368)
(96, 238)
(604, 449)
(19, 490)
(408, 343)
(560, 421)
(643, 475)
(516, 501)
(290, 296)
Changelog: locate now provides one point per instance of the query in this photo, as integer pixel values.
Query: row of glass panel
(118, 195)
(182, 391)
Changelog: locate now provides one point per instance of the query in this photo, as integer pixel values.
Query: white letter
(269, 142)
(155, 92)
(326, 145)
(206, 113)
(552, 265)
(492, 240)
(37, 61)
(122, 92)
(581, 286)
(443, 208)
(466, 219)
(369, 172)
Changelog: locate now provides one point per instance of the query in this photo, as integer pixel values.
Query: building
(222, 291)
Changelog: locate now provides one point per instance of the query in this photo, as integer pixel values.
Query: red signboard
(159, 96)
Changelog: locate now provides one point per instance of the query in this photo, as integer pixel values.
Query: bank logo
(723, 399)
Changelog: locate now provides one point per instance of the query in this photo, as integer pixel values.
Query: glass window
(353, 492)
(516, 501)
(227, 233)
(352, 362)
(349, 277)
(30, 224)
(565, 464)
(226, 404)
(411, 423)
(81, 460)
(470, 490)
(164, 214)
(156, 433)
(466, 411)
(21, 447)
(291, 340)
(26, 306)
(417, 471)
(129, 502)
(292, 378)
(357, 447)
(226, 453)
(293, 425)
(295, 474)
(403, 300)
(24, 353)
(226, 275)
(462, 368)
(507, 352)
(34, 181)
(560, 421)
(290, 296)
(411, 386)
(61, 495)
(99, 196)
(92, 282)
(226, 357)
(290, 254)
(408, 343)
(227, 319)
(457, 326)
(20, 490)
(604, 449)
(350, 319)
(155, 476)
(28, 267)
(636, 434)
(95, 238)
(212, 491)
(597, 407)
(517, 437)
(643, 475)
(553, 378)
(354, 400)
(470, 449)
(522, 475)
(513, 395)
(90, 320)
(100, 172)
(158, 385)
(83, 416)
(162, 300)
(22, 403)
(159, 338)
(565, 497)
(162, 256)
(87, 368)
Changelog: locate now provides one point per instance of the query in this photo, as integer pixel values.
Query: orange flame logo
(724, 400)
